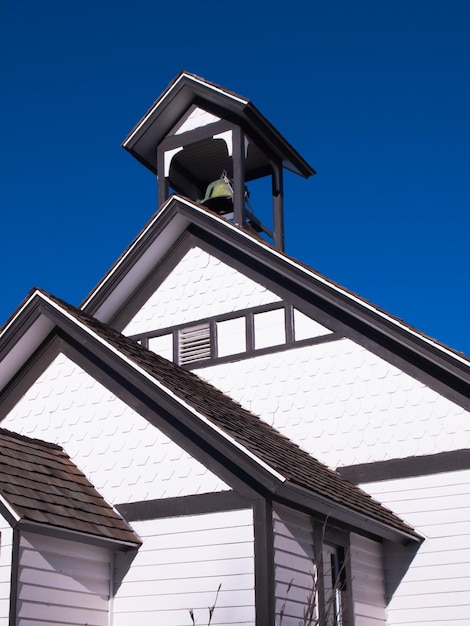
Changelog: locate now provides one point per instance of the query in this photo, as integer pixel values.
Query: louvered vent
(194, 344)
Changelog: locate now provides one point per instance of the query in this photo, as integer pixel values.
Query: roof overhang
(188, 89)
(154, 394)
(179, 213)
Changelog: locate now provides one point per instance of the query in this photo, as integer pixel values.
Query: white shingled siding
(196, 119)
(6, 540)
(436, 589)
(180, 566)
(343, 404)
(200, 286)
(62, 582)
(126, 458)
(367, 580)
(294, 563)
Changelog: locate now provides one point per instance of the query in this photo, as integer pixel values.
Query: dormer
(205, 142)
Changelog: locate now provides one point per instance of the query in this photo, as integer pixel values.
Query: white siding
(294, 563)
(6, 540)
(343, 404)
(436, 589)
(200, 286)
(367, 579)
(62, 582)
(126, 458)
(180, 566)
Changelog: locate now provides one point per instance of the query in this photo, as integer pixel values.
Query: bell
(219, 196)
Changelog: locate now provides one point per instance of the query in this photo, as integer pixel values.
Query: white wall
(6, 541)
(62, 582)
(180, 566)
(343, 404)
(294, 563)
(436, 589)
(367, 580)
(126, 458)
(200, 286)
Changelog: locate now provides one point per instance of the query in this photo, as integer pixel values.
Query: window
(334, 582)
(267, 328)
(231, 336)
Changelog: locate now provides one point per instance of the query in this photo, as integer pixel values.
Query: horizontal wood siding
(180, 566)
(62, 582)
(294, 563)
(367, 580)
(436, 588)
(6, 541)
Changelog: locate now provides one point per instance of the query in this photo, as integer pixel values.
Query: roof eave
(49, 530)
(179, 96)
(302, 498)
(395, 332)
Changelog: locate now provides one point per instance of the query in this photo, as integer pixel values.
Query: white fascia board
(26, 343)
(8, 513)
(284, 259)
(170, 89)
(165, 389)
(343, 292)
(139, 270)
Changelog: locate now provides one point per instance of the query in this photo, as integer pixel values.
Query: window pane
(231, 337)
(270, 329)
(334, 581)
(306, 328)
(162, 345)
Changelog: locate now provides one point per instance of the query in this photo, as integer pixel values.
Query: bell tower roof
(205, 142)
(186, 94)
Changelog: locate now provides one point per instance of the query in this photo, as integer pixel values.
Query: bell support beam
(278, 205)
(238, 176)
(162, 180)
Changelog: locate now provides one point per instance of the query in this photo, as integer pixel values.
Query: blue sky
(374, 95)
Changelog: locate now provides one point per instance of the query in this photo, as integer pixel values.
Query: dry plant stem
(210, 609)
(310, 615)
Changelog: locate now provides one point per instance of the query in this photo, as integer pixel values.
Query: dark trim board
(349, 319)
(264, 562)
(14, 583)
(408, 467)
(135, 301)
(198, 504)
(161, 411)
(29, 373)
(250, 351)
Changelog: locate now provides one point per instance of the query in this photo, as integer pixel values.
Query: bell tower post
(207, 143)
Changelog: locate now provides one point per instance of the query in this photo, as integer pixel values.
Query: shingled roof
(252, 434)
(41, 484)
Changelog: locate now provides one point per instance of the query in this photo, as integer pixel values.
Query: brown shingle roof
(41, 484)
(248, 430)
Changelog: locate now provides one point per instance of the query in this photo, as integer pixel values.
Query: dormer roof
(41, 487)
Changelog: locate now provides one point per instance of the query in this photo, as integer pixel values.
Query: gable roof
(359, 319)
(40, 484)
(177, 98)
(275, 462)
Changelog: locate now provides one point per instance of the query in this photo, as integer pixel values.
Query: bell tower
(207, 143)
